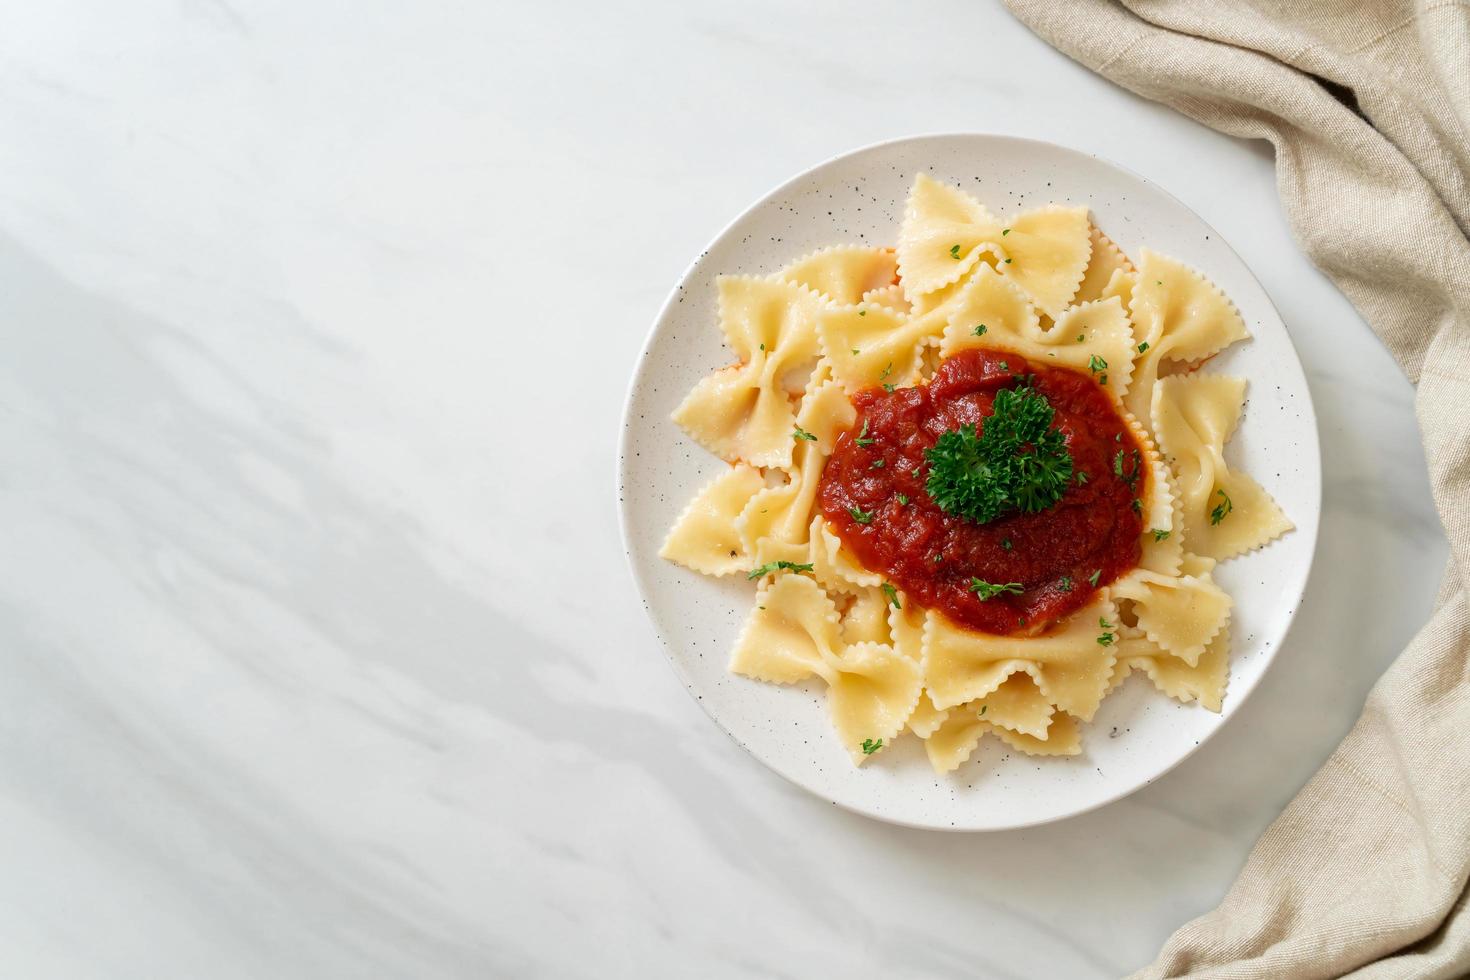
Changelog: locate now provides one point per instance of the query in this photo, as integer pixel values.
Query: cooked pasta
(974, 330)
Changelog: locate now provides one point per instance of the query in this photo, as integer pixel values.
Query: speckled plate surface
(1138, 734)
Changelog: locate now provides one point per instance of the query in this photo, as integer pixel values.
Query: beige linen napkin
(1368, 107)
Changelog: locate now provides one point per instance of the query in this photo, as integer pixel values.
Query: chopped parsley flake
(863, 438)
(889, 387)
(860, 515)
(1081, 337)
(862, 312)
(801, 433)
(870, 746)
(892, 595)
(1092, 579)
(878, 464)
(954, 251)
(776, 566)
(903, 499)
(1160, 535)
(987, 590)
(1017, 462)
(1138, 506)
(1005, 232)
(980, 330)
(1143, 347)
(1065, 583)
(1106, 637)
(1081, 478)
(1006, 544)
(1223, 508)
(1096, 364)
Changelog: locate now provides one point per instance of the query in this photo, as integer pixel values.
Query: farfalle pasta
(977, 479)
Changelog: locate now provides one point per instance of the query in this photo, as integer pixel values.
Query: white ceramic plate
(1138, 733)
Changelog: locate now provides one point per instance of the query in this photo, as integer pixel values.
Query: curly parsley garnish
(988, 590)
(776, 566)
(1017, 462)
(1222, 508)
(892, 595)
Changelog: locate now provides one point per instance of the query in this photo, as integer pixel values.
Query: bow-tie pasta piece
(826, 411)
(791, 633)
(1104, 265)
(869, 345)
(1046, 253)
(743, 412)
(1179, 316)
(994, 313)
(1204, 681)
(1063, 737)
(1225, 512)
(953, 741)
(1070, 664)
(704, 537)
(1179, 614)
(926, 719)
(943, 235)
(871, 694)
(844, 273)
(1018, 705)
(782, 514)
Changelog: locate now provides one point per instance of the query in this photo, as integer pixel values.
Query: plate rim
(621, 479)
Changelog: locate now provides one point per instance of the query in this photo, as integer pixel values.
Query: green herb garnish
(954, 251)
(801, 433)
(892, 595)
(1222, 508)
(1143, 347)
(1081, 337)
(980, 330)
(903, 499)
(1017, 462)
(987, 590)
(1105, 638)
(870, 746)
(860, 515)
(1065, 583)
(863, 439)
(1005, 543)
(878, 464)
(776, 566)
(1094, 577)
(1005, 232)
(1008, 261)
(1096, 364)
(1160, 535)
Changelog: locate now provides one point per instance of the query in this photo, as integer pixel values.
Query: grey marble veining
(319, 655)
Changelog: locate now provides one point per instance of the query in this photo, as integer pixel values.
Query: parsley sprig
(1222, 508)
(776, 566)
(1016, 462)
(989, 590)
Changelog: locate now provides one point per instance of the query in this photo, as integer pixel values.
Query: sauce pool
(1059, 556)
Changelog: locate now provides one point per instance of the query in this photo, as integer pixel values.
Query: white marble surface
(319, 654)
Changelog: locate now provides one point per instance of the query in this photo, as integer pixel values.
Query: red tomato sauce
(1059, 556)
